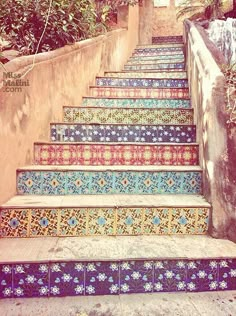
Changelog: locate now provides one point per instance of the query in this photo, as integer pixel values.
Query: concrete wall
(145, 24)
(217, 146)
(164, 21)
(60, 77)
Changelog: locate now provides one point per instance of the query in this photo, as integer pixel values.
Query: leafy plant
(193, 9)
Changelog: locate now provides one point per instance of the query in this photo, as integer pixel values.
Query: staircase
(113, 204)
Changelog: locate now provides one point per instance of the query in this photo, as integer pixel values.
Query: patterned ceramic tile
(227, 274)
(154, 66)
(102, 278)
(67, 279)
(44, 222)
(167, 39)
(164, 45)
(129, 221)
(150, 83)
(148, 52)
(150, 60)
(169, 276)
(156, 221)
(156, 75)
(202, 275)
(52, 183)
(160, 49)
(101, 221)
(123, 116)
(165, 58)
(180, 93)
(136, 103)
(14, 222)
(6, 281)
(183, 220)
(31, 280)
(202, 221)
(136, 277)
(107, 182)
(73, 222)
(117, 133)
(29, 183)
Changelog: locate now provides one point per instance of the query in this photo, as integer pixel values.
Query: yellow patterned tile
(73, 222)
(101, 221)
(44, 222)
(183, 221)
(156, 221)
(14, 222)
(202, 221)
(129, 221)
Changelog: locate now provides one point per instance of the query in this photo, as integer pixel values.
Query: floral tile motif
(227, 274)
(6, 281)
(136, 103)
(136, 277)
(154, 66)
(202, 221)
(170, 182)
(78, 182)
(202, 275)
(159, 50)
(67, 279)
(160, 58)
(14, 222)
(53, 183)
(44, 222)
(101, 182)
(102, 278)
(101, 221)
(31, 280)
(151, 60)
(169, 276)
(183, 220)
(135, 82)
(192, 181)
(167, 39)
(156, 221)
(125, 182)
(161, 93)
(148, 183)
(29, 183)
(73, 222)
(129, 221)
(157, 75)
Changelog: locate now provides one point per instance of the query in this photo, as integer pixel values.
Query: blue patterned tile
(170, 276)
(170, 182)
(54, 183)
(31, 280)
(131, 133)
(191, 182)
(227, 274)
(6, 286)
(78, 182)
(29, 182)
(147, 183)
(158, 49)
(202, 275)
(136, 82)
(113, 133)
(102, 278)
(101, 182)
(67, 279)
(136, 277)
(148, 134)
(125, 182)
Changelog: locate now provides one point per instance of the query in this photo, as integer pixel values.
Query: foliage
(193, 9)
(22, 23)
(230, 75)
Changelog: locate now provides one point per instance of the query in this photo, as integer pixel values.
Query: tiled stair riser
(149, 60)
(167, 46)
(167, 39)
(79, 278)
(108, 182)
(165, 58)
(102, 221)
(164, 50)
(161, 93)
(154, 66)
(136, 103)
(146, 75)
(123, 133)
(142, 83)
(115, 154)
(127, 116)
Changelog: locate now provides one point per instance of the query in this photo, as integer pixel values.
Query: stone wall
(217, 143)
(58, 78)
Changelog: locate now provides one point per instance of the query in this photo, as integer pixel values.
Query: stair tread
(110, 168)
(115, 248)
(164, 200)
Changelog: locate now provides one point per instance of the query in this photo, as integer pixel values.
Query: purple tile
(170, 276)
(31, 280)
(136, 277)
(202, 275)
(102, 278)
(67, 279)
(227, 274)
(6, 288)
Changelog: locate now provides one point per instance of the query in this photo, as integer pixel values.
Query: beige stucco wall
(164, 22)
(58, 78)
(207, 87)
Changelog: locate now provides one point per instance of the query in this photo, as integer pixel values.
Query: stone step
(103, 265)
(38, 216)
(167, 39)
(141, 82)
(77, 180)
(163, 58)
(148, 75)
(161, 45)
(69, 132)
(157, 53)
(151, 60)
(155, 66)
(108, 115)
(119, 92)
(136, 103)
(115, 154)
